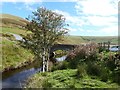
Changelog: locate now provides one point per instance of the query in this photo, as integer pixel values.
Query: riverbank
(13, 55)
(66, 79)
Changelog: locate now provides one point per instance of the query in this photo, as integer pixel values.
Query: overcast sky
(85, 17)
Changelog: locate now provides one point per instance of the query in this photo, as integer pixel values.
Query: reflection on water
(61, 58)
(18, 79)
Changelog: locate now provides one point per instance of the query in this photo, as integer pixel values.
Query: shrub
(73, 63)
(93, 69)
(60, 66)
(99, 70)
(111, 65)
(104, 75)
(87, 53)
(64, 65)
(101, 49)
(81, 71)
(116, 76)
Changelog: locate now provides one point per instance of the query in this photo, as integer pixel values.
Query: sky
(85, 17)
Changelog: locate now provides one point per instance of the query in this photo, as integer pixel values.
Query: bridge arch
(66, 47)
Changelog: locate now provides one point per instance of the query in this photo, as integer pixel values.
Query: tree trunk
(47, 60)
(47, 65)
(48, 52)
(43, 60)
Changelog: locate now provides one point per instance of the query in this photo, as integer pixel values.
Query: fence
(105, 45)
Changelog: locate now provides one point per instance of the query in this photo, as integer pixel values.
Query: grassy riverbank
(13, 54)
(66, 79)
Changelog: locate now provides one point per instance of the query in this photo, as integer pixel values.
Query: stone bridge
(66, 47)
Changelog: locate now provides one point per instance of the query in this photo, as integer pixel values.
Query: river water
(16, 78)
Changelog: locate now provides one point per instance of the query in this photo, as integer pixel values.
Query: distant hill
(99, 39)
(7, 20)
(12, 21)
(86, 39)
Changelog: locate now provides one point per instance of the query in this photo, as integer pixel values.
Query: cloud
(101, 17)
(72, 29)
(29, 6)
(112, 30)
(73, 20)
(97, 7)
(101, 21)
(100, 14)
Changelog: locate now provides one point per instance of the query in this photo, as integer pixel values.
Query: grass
(13, 54)
(97, 39)
(86, 39)
(60, 53)
(11, 16)
(72, 40)
(12, 20)
(14, 30)
(66, 79)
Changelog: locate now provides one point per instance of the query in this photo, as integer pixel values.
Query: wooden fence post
(108, 45)
(104, 45)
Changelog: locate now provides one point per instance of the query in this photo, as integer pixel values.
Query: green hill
(12, 53)
(12, 21)
(86, 39)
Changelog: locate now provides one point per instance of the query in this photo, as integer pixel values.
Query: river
(16, 78)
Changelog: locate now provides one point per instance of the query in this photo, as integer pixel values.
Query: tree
(46, 27)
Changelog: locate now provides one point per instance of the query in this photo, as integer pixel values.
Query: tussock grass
(66, 79)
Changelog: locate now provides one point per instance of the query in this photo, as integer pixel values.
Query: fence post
(104, 45)
(108, 45)
(99, 45)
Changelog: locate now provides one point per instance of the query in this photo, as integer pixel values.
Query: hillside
(97, 39)
(12, 21)
(86, 39)
(12, 53)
